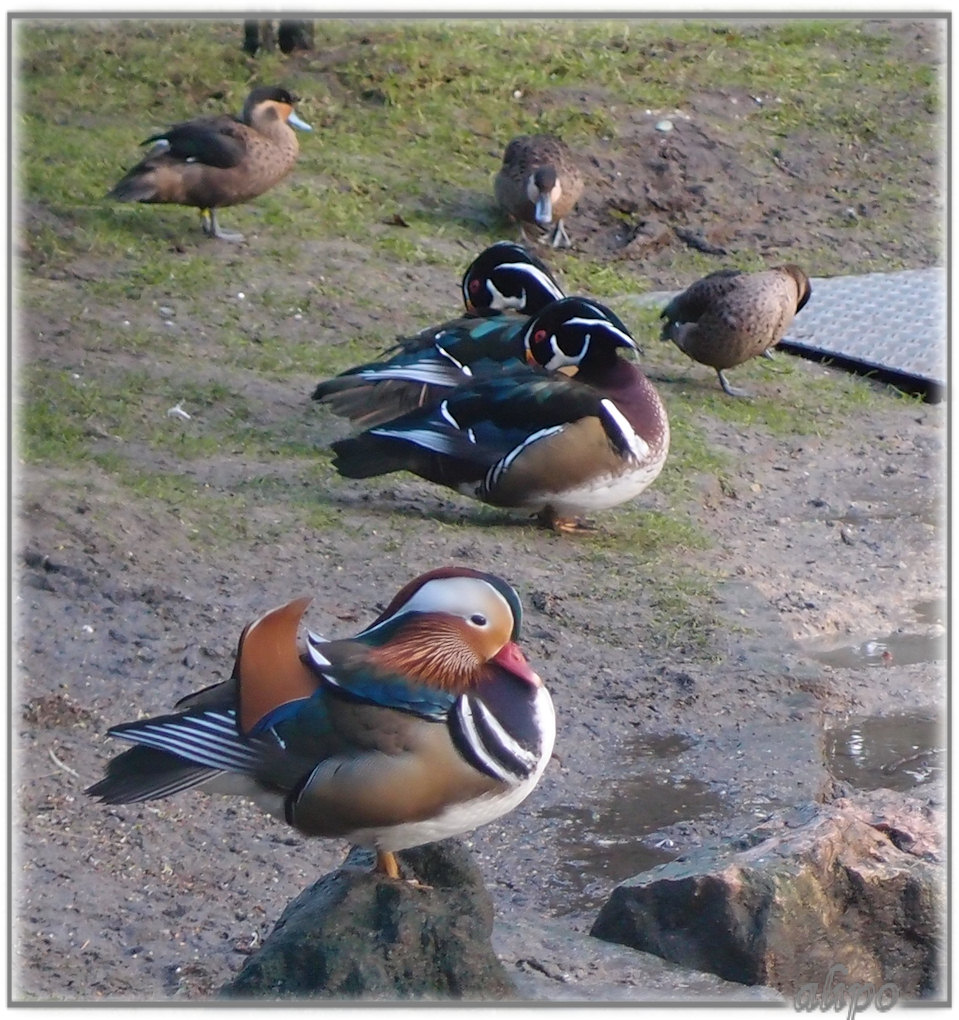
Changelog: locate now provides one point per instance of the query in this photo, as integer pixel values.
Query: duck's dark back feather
(144, 773)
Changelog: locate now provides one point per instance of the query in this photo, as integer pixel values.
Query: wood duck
(539, 183)
(426, 724)
(502, 281)
(221, 160)
(532, 437)
(507, 277)
(730, 316)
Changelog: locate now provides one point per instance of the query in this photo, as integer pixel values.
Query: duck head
(446, 626)
(507, 276)
(567, 333)
(271, 101)
(543, 190)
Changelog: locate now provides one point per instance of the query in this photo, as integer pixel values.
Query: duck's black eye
(478, 619)
(474, 286)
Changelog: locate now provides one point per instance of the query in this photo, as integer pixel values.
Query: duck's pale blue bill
(298, 123)
(544, 210)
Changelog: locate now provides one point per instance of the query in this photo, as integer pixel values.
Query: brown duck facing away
(539, 183)
(730, 316)
(220, 160)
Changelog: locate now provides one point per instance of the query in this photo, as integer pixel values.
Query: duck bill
(510, 658)
(544, 210)
(297, 122)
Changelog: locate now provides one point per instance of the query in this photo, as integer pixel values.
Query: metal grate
(889, 322)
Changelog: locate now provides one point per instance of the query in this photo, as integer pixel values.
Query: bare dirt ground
(815, 542)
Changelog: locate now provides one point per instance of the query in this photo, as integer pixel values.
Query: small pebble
(664, 125)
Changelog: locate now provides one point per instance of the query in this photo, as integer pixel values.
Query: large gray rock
(857, 883)
(357, 935)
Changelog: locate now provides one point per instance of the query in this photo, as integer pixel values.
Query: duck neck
(634, 395)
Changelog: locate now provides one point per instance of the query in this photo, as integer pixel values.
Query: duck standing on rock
(539, 183)
(221, 160)
(426, 724)
(502, 288)
(532, 437)
(730, 316)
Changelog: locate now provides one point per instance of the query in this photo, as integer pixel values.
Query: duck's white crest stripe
(464, 715)
(536, 273)
(601, 324)
(638, 446)
(502, 466)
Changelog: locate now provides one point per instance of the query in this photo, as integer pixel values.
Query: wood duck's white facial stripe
(602, 326)
(210, 739)
(500, 468)
(636, 445)
(484, 743)
(522, 271)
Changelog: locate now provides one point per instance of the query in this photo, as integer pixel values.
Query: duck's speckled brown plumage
(535, 164)
(730, 316)
(218, 161)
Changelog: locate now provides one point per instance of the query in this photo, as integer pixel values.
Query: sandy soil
(817, 543)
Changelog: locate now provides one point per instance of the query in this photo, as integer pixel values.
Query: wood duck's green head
(571, 334)
(507, 276)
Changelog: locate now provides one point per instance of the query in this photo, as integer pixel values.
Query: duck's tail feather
(144, 773)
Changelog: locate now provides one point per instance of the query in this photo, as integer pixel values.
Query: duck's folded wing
(217, 142)
(174, 753)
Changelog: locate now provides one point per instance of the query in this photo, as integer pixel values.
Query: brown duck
(221, 160)
(730, 316)
(539, 183)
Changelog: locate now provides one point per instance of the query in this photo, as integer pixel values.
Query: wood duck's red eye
(539, 336)
(474, 286)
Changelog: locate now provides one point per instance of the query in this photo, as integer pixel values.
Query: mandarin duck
(730, 316)
(503, 280)
(220, 160)
(539, 183)
(426, 724)
(532, 437)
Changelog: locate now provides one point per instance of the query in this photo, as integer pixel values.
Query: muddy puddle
(618, 834)
(899, 752)
(902, 648)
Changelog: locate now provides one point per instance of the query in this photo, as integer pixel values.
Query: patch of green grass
(437, 100)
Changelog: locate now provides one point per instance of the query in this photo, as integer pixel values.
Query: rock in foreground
(357, 935)
(858, 884)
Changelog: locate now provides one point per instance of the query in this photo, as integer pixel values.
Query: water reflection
(603, 844)
(899, 752)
